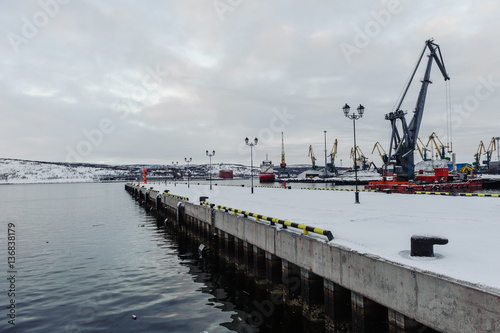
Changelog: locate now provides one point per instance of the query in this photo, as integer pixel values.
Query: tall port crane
(486, 151)
(424, 149)
(313, 159)
(439, 148)
(402, 145)
(381, 152)
(489, 152)
(361, 158)
(477, 156)
(283, 163)
(333, 153)
(283, 172)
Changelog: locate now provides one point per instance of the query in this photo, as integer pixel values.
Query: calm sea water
(88, 258)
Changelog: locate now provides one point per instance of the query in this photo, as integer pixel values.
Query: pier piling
(367, 315)
(259, 265)
(248, 257)
(399, 323)
(291, 283)
(273, 273)
(312, 295)
(229, 249)
(337, 307)
(239, 254)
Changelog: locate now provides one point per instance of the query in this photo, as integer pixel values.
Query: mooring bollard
(423, 246)
(203, 199)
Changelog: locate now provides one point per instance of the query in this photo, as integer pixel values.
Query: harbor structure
(318, 276)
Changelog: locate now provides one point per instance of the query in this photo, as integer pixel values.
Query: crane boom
(381, 152)
(489, 152)
(282, 164)
(333, 153)
(477, 156)
(492, 146)
(402, 146)
(313, 159)
(424, 149)
(359, 159)
(439, 148)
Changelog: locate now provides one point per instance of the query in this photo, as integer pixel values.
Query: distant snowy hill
(15, 171)
(23, 171)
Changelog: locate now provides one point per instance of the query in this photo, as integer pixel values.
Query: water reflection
(232, 291)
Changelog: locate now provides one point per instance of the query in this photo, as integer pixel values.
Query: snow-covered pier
(367, 262)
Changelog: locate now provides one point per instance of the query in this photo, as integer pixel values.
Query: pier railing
(305, 229)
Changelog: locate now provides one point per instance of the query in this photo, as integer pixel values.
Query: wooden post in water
(274, 274)
(229, 249)
(259, 265)
(248, 254)
(399, 323)
(239, 254)
(367, 315)
(312, 295)
(291, 283)
(337, 307)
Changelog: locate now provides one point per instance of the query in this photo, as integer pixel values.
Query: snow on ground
(382, 224)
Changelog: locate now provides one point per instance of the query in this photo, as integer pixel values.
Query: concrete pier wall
(409, 296)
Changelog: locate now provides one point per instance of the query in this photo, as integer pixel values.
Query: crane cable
(449, 130)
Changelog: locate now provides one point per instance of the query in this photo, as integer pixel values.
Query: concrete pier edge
(439, 302)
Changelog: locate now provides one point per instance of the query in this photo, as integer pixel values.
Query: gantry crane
(381, 152)
(489, 152)
(439, 148)
(403, 146)
(361, 159)
(331, 166)
(313, 159)
(283, 172)
(283, 163)
(477, 156)
(424, 149)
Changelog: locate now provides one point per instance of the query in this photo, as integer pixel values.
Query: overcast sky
(157, 81)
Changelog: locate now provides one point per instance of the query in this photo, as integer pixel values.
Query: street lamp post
(326, 172)
(251, 144)
(210, 170)
(188, 160)
(175, 174)
(361, 109)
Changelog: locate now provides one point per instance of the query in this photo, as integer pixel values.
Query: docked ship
(266, 174)
(431, 175)
(226, 174)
